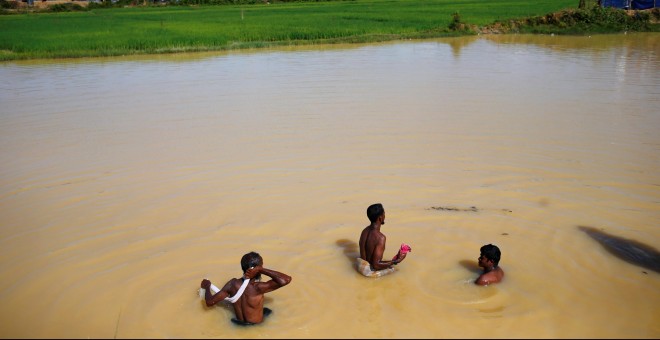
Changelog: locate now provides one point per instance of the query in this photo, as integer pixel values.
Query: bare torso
(372, 246)
(492, 276)
(250, 306)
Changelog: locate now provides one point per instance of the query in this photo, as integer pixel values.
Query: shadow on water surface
(631, 251)
(350, 249)
(471, 266)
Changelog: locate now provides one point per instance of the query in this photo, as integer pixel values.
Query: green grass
(140, 30)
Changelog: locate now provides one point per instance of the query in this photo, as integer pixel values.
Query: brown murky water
(124, 182)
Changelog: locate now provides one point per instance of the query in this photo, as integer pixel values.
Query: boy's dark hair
(491, 252)
(251, 259)
(375, 211)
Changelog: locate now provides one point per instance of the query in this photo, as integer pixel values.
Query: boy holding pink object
(372, 246)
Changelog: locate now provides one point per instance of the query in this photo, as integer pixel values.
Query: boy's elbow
(287, 280)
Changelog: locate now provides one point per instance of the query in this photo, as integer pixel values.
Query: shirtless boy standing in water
(249, 305)
(489, 259)
(372, 245)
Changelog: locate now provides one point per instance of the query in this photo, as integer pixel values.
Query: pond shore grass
(171, 29)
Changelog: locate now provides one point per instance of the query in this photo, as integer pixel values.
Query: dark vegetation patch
(580, 21)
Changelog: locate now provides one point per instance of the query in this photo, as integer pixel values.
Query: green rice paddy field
(169, 29)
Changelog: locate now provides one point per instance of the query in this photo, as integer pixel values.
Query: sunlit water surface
(126, 181)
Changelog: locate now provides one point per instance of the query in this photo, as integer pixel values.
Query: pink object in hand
(403, 250)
